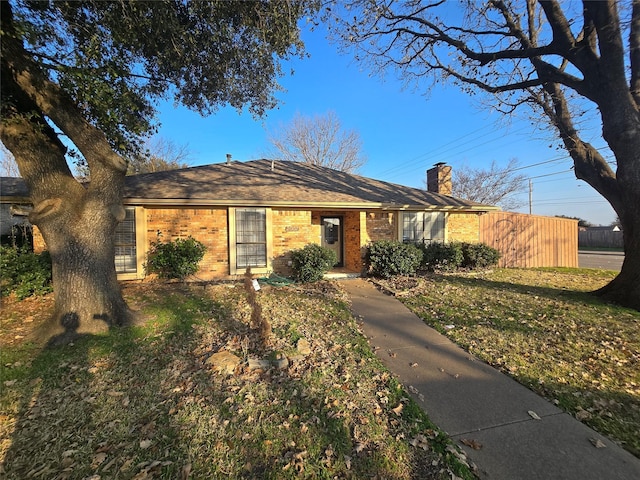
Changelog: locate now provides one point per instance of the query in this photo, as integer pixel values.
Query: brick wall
(463, 227)
(207, 225)
(38, 241)
(291, 230)
(380, 226)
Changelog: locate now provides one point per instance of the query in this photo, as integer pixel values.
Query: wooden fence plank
(531, 240)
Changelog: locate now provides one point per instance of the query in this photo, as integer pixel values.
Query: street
(603, 260)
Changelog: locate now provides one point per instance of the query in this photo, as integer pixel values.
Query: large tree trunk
(625, 288)
(77, 221)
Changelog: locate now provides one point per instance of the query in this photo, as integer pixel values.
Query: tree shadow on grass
(551, 293)
(97, 406)
(141, 402)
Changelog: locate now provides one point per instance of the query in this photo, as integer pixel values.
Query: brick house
(255, 213)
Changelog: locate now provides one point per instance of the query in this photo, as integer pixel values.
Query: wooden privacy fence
(531, 240)
(600, 239)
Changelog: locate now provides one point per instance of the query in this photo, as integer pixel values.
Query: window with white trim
(251, 237)
(422, 227)
(125, 242)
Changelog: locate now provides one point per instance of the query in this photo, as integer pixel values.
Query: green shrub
(175, 259)
(445, 257)
(386, 258)
(311, 262)
(479, 255)
(24, 272)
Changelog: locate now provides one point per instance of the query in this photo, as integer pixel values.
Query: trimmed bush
(175, 259)
(311, 262)
(386, 258)
(445, 257)
(24, 272)
(479, 255)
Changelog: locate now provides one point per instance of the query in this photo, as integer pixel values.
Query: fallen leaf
(534, 415)
(98, 459)
(583, 415)
(398, 409)
(144, 444)
(476, 445)
(597, 443)
(414, 364)
(185, 472)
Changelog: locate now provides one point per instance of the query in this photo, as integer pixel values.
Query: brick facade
(463, 227)
(290, 230)
(207, 225)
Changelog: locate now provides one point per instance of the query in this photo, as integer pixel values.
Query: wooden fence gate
(531, 240)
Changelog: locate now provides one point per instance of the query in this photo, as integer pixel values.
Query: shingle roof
(267, 183)
(14, 188)
(274, 183)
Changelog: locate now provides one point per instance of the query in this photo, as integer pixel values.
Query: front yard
(149, 402)
(542, 328)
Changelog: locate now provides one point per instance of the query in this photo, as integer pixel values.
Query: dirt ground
(20, 318)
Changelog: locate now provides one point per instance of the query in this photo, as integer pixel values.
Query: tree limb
(634, 52)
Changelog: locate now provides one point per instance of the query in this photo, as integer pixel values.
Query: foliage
(175, 259)
(115, 58)
(493, 186)
(87, 76)
(581, 221)
(319, 140)
(449, 257)
(445, 257)
(24, 272)
(544, 328)
(311, 262)
(478, 255)
(143, 402)
(386, 258)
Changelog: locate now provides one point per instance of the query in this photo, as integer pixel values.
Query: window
(126, 258)
(251, 237)
(422, 227)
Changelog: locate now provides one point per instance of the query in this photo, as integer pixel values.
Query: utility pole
(530, 196)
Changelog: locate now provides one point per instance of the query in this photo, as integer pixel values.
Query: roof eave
(190, 202)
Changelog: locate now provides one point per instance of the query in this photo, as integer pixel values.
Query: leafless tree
(493, 186)
(572, 63)
(160, 154)
(319, 140)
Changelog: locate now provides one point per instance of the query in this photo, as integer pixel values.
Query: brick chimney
(439, 179)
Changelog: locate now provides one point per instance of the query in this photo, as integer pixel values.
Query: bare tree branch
(319, 140)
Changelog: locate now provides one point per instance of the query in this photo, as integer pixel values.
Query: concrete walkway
(470, 400)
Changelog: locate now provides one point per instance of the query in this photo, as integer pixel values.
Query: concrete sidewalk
(470, 400)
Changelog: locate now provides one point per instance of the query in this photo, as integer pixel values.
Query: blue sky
(403, 132)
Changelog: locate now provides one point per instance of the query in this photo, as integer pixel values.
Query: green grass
(142, 402)
(542, 327)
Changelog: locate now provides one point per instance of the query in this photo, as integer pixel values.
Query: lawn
(147, 402)
(541, 327)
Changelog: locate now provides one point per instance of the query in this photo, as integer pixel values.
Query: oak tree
(572, 63)
(92, 72)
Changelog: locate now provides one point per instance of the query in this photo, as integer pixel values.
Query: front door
(332, 236)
